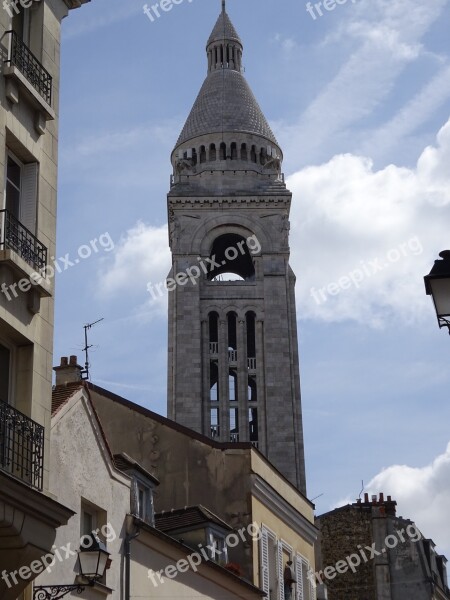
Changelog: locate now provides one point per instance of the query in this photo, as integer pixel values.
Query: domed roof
(225, 103)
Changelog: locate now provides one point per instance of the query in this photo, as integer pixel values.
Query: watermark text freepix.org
(59, 265)
(366, 270)
(315, 10)
(364, 554)
(192, 561)
(206, 265)
(153, 11)
(48, 561)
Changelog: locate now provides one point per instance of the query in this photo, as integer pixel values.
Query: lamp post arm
(54, 592)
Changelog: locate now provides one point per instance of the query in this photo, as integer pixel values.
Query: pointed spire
(223, 6)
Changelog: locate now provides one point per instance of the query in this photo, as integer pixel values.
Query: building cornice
(263, 492)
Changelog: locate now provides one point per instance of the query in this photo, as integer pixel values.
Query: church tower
(233, 356)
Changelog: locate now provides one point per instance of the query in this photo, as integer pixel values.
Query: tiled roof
(223, 30)
(225, 103)
(62, 393)
(188, 517)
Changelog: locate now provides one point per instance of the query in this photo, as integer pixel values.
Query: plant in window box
(234, 568)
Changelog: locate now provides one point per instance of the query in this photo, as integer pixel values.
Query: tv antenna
(85, 372)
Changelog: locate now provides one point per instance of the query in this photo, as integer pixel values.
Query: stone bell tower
(233, 357)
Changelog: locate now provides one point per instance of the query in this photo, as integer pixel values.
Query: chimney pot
(389, 498)
(374, 498)
(68, 372)
(366, 498)
(381, 498)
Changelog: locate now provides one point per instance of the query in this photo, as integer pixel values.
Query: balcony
(214, 347)
(234, 437)
(21, 447)
(14, 236)
(20, 56)
(215, 432)
(251, 363)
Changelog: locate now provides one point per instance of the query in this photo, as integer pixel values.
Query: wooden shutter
(264, 562)
(299, 578)
(280, 571)
(28, 196)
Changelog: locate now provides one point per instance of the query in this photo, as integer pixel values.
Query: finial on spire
(223, 5)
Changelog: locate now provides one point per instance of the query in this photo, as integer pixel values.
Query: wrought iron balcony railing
(22, 57)
(15, 236)
(21, 446)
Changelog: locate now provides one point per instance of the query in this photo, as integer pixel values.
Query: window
(253, 424)
(21, 191)
(145, 510)
(305, 589)
(234, 425)
(5, 375)
(21, 24)
(215, 428)
(218, 550)
(232, 387)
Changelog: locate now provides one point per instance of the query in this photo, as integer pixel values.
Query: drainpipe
(128, 539)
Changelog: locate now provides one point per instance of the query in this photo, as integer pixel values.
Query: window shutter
(28, 196)
(264, 562)
(299, 577)
(280, 569)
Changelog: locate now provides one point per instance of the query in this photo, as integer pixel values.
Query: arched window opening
(213, 382)
(234, 425)
(212, 152)
(231, 255)
(232, 337)
(194, 156)
(250, 319)
(202, 154)
(234, 151)
(253, 154)
(223, 151)
(253, 425)
(215, 425)
(232, 386)
(244, 155)
(263, 156)
(252, 390)
(214, 333)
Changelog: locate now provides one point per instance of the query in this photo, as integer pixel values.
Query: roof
(125, 463)
(143, 525)
(62, 393)
(225, 103)
(188, 517)
(223, 30)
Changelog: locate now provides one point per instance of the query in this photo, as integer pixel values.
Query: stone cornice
(263, 492)
(220, 201)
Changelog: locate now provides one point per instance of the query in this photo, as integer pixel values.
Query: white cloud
(381, 39)
(141, 257)
(423, 495)
(384, 227)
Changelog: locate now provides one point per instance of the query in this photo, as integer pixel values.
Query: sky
(359, 99)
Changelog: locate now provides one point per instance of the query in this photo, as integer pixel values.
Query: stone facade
(29, 109)
(403, 565)
(233, 351)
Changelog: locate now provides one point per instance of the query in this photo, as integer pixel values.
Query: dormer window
(218, 550)
(145, 503)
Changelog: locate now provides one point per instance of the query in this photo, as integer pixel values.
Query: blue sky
(359, 100)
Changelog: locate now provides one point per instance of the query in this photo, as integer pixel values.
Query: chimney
(69, 371)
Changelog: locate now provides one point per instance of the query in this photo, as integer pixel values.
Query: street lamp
(437, 285)
(93, 559)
